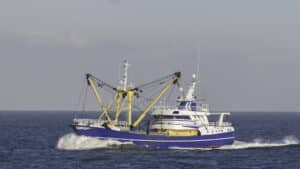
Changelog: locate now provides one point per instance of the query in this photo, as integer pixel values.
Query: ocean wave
(256, 143)
(261, 143)
(72, 141)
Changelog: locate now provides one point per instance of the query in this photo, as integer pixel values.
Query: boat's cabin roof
(177, 112)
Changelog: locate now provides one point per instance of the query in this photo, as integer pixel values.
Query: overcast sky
(249, 51)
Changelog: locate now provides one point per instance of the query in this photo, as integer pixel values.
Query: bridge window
(166, 117)
(175, 112)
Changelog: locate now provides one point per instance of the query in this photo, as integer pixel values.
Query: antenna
(197, 92)
(198, 74)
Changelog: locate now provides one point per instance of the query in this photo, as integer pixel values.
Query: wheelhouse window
(167, 117)
(175, 112)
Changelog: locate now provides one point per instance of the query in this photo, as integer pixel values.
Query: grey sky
(249, 50)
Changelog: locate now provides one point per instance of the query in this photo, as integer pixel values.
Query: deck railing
(94, 122)
(223, 124)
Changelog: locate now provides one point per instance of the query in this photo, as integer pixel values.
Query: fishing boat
(185, 125)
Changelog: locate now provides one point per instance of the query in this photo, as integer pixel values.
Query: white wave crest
(256, 143)
(261, 143)
(74, 142)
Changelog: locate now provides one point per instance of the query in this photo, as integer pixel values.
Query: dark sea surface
(43, 140)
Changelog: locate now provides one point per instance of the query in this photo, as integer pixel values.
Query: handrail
(224, 124)
(198, 108)
(97, 122)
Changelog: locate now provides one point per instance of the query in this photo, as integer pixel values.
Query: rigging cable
(84, 99)
(81, 99)
(160, 81)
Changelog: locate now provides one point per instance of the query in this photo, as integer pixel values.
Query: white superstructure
(187, 116)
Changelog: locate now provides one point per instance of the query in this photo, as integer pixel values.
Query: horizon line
(69, 110)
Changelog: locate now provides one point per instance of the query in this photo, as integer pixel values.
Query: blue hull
(143, 140)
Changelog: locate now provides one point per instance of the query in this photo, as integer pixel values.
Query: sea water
(43, 139)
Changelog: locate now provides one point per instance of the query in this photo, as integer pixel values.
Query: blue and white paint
(144, 140)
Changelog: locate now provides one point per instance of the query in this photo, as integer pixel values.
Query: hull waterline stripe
(167, 141)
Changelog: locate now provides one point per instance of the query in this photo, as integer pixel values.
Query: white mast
(124, 81)
(190, 95)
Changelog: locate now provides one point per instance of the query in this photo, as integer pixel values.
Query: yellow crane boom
(174, 79)
(128, 94)
(98, 97)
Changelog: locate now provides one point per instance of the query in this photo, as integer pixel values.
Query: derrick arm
(174, 80)
(108, 107)
(97, 95)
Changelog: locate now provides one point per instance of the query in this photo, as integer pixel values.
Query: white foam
(256, 143)
(261, 143)
(74, 142)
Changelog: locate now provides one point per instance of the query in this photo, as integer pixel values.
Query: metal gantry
(126, 94)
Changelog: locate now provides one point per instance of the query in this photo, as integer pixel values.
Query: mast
(124, 81)
(124, 92)
(190, 96)
(188, 101)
